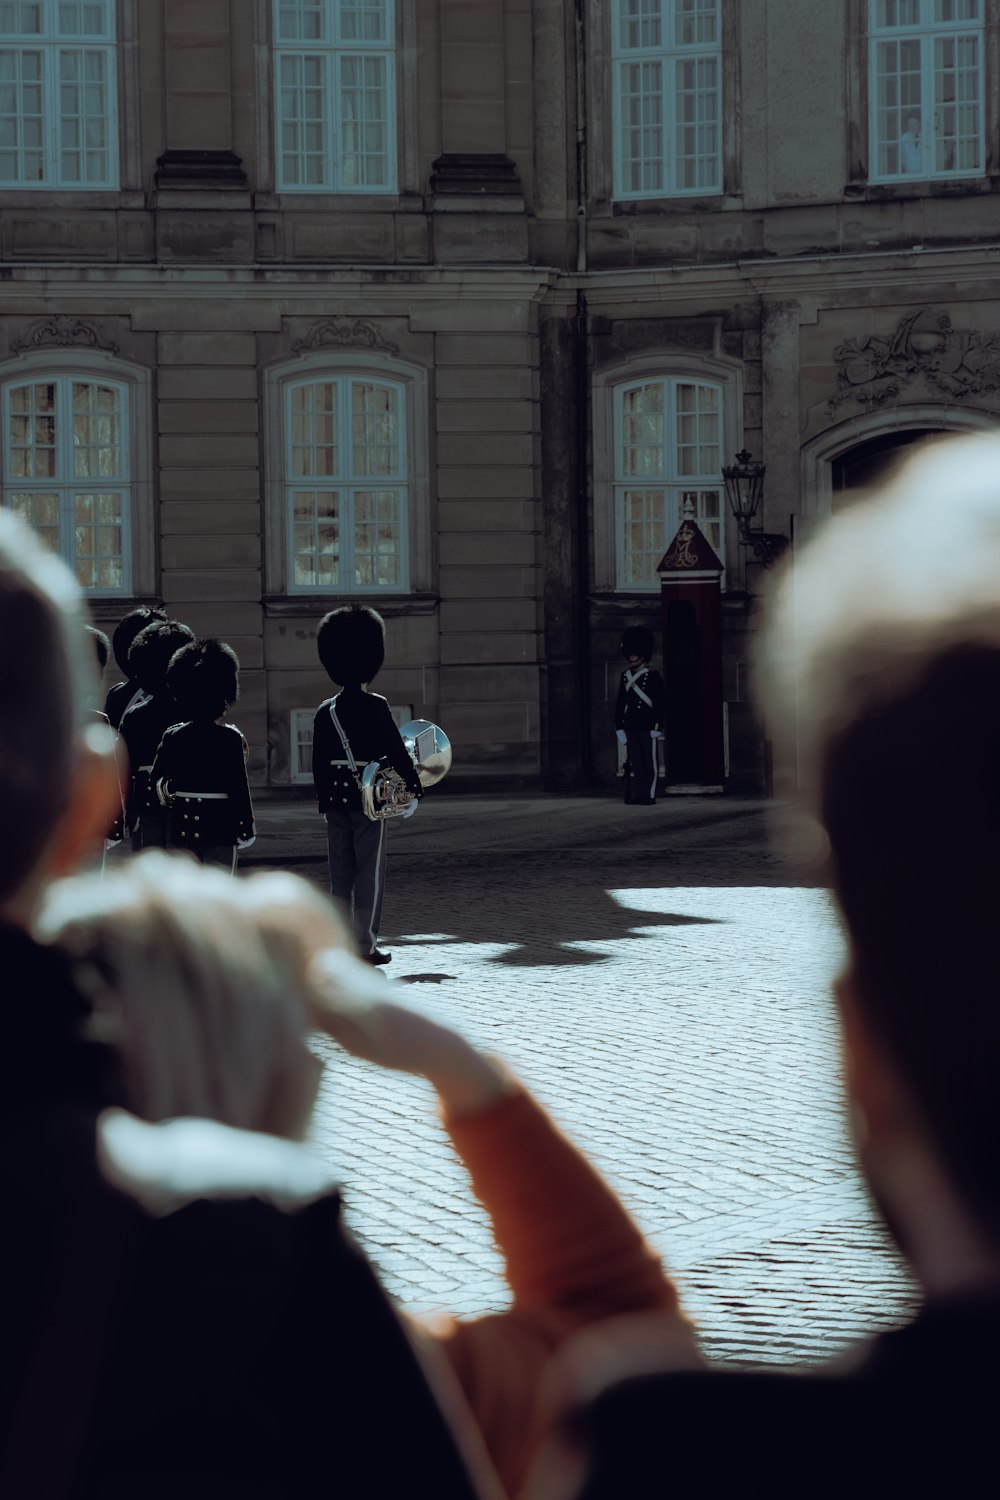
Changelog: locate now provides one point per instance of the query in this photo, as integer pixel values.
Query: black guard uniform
(200, 775)
(640, 712)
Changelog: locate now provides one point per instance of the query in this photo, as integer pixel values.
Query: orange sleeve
(573, 1256)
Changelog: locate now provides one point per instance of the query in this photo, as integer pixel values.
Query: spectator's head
(201, 980)
(637, 643)
(151, 651)
(204, 678)
(351, 643)
(893, 616)
(128, 628)
(58, 785)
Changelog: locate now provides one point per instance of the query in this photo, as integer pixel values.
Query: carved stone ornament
(65, 333)
(351, 332)
(924, 349)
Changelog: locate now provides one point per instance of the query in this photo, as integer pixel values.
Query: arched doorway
(870, 463)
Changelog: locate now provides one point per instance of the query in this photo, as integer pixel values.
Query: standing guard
(200, 771)
(640, 715)
(126, 692)
(350, 730)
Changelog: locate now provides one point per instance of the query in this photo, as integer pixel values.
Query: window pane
(32, 441)
(640, 92)
(22, 117)
(897, 12)
(698, 123)
(364, 121)
(697, 429)
(365, 20)
(696, 23)
(97, 425)
(21, 17)
(303, 111)
(640, 24)
(376, 538)
(41, 512)
(314, 430)
(644, 541)
(956, 100)
(374, 429)
(302, 20)
(84, 18)
(315, 538)
(956, 10)
(643, 432)
(898, 112)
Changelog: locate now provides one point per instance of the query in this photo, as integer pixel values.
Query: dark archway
(870, 463)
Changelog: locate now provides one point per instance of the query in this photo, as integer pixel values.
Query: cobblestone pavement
(659, 977)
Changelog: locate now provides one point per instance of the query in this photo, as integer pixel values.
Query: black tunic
(204, 757)
(142, 728)
(372, 735)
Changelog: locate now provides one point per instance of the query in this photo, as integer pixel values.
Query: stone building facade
(459, 306)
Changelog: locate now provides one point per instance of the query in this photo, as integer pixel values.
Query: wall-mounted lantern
(745, 489)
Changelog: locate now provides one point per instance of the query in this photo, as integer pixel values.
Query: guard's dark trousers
(356, 847)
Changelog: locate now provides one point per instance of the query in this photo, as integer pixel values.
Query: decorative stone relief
(924, 348)
(351, 332)
(64, 332)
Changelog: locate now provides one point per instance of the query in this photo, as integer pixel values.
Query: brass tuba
(384, 793)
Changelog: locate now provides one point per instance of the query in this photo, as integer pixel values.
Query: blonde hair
(200, 980)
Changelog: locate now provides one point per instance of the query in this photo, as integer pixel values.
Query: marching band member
(640, 714)
(351, 729)
(145, 722)
(200, 771)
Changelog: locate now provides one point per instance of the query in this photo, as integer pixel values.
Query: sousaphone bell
(384, 793)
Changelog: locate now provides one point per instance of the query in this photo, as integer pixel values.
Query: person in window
(911, 151)
(125, 693)
(200, 771)
(351, 729)
(145, 722)
(640, 714)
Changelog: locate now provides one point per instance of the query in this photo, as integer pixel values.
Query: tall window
(668, 465)
(346, 486)
(57, 94)
(335, 90)
(66, 471)
(667, 62)
(926, 88)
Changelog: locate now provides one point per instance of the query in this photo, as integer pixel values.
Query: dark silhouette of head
(351, 644)
(887, 667)
(637, 641)
(151, 652)
(204, 678)
(128, 628)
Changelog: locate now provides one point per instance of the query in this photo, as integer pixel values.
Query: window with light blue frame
(667, 465)
(346, 485)
(667, 97)
(926, 89)
(58, 105)
(335, 96)
(67, 471)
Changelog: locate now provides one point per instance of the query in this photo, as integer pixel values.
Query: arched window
(76, 464)
(668, 446)
(347, 487)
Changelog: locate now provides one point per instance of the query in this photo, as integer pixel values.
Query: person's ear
(93, 804)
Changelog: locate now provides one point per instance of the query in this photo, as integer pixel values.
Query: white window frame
(669, 55)
(413, 475)
(299, 753)
(135, 383)
(926, 31)
(51, 43)
(329, 53)
(609, 385)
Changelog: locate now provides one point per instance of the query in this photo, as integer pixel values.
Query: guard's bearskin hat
(101, 645)
(351, 643)
(151, 652)
(128, 628)
(637, 641)
(204, 678)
